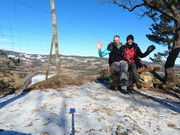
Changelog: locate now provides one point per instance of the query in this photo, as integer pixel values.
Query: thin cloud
(3, 39)
(11, 48)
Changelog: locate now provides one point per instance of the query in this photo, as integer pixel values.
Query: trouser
(122, 67)
(133, 73)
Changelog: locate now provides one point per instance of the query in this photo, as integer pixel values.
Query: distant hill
(71, 66)
(38, 62)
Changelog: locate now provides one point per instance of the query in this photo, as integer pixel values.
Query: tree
(167, 8)
(6, 65)
(158, 57)
(162, 34)
(162, 30)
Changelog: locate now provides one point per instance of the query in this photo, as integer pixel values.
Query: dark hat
(130, 37)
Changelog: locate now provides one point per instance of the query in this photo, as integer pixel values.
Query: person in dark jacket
(131, 54)
(116, 61)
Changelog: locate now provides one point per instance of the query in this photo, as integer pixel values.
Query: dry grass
(68, 79)
(54, 82)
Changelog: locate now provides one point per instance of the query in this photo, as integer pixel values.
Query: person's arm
(140, 54)
(102, 53)
(148, 51)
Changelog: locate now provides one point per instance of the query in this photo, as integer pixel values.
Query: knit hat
(116, 37)
(130, 37)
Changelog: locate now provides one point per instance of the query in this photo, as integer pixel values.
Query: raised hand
(151, 48)
(99, 45)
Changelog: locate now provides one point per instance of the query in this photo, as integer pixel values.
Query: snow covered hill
(89, 109)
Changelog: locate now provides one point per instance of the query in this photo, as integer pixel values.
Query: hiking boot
(124, 90)
(139, 86)
(123, 82)
(130, 89)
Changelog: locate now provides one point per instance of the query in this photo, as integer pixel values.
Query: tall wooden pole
(55, 39)
(49, 59)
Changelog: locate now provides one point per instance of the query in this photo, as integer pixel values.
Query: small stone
(44, 134)
(110, 114)
(119, 128)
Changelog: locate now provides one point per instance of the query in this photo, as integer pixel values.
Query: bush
(7, 64)
(5, 87)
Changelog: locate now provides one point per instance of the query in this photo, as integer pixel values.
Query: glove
(151, 48)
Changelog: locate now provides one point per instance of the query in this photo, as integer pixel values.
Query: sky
(88, 109)
(26, 26)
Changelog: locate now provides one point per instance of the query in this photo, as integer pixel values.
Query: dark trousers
(133, 74)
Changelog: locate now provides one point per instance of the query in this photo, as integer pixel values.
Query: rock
(22, 75)
(44, 134)
(147, 79)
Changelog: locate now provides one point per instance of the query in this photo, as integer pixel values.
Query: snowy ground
(92, 109)
(39, 78)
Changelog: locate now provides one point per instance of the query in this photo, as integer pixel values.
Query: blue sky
(26, 26)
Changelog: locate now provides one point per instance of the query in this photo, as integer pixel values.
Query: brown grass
(66, 81)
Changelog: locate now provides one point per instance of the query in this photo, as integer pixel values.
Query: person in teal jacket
(116, 61)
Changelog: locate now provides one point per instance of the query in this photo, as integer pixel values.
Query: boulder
(148, 77)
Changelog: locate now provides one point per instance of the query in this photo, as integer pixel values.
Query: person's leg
(133, 69)
(130, 78)
(115, 66)
(122, 67)
(118, 66)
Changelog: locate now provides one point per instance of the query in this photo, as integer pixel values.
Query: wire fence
(27, 31)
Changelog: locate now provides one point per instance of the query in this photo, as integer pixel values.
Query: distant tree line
(7, 64)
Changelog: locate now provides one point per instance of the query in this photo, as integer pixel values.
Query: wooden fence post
(55, 39)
